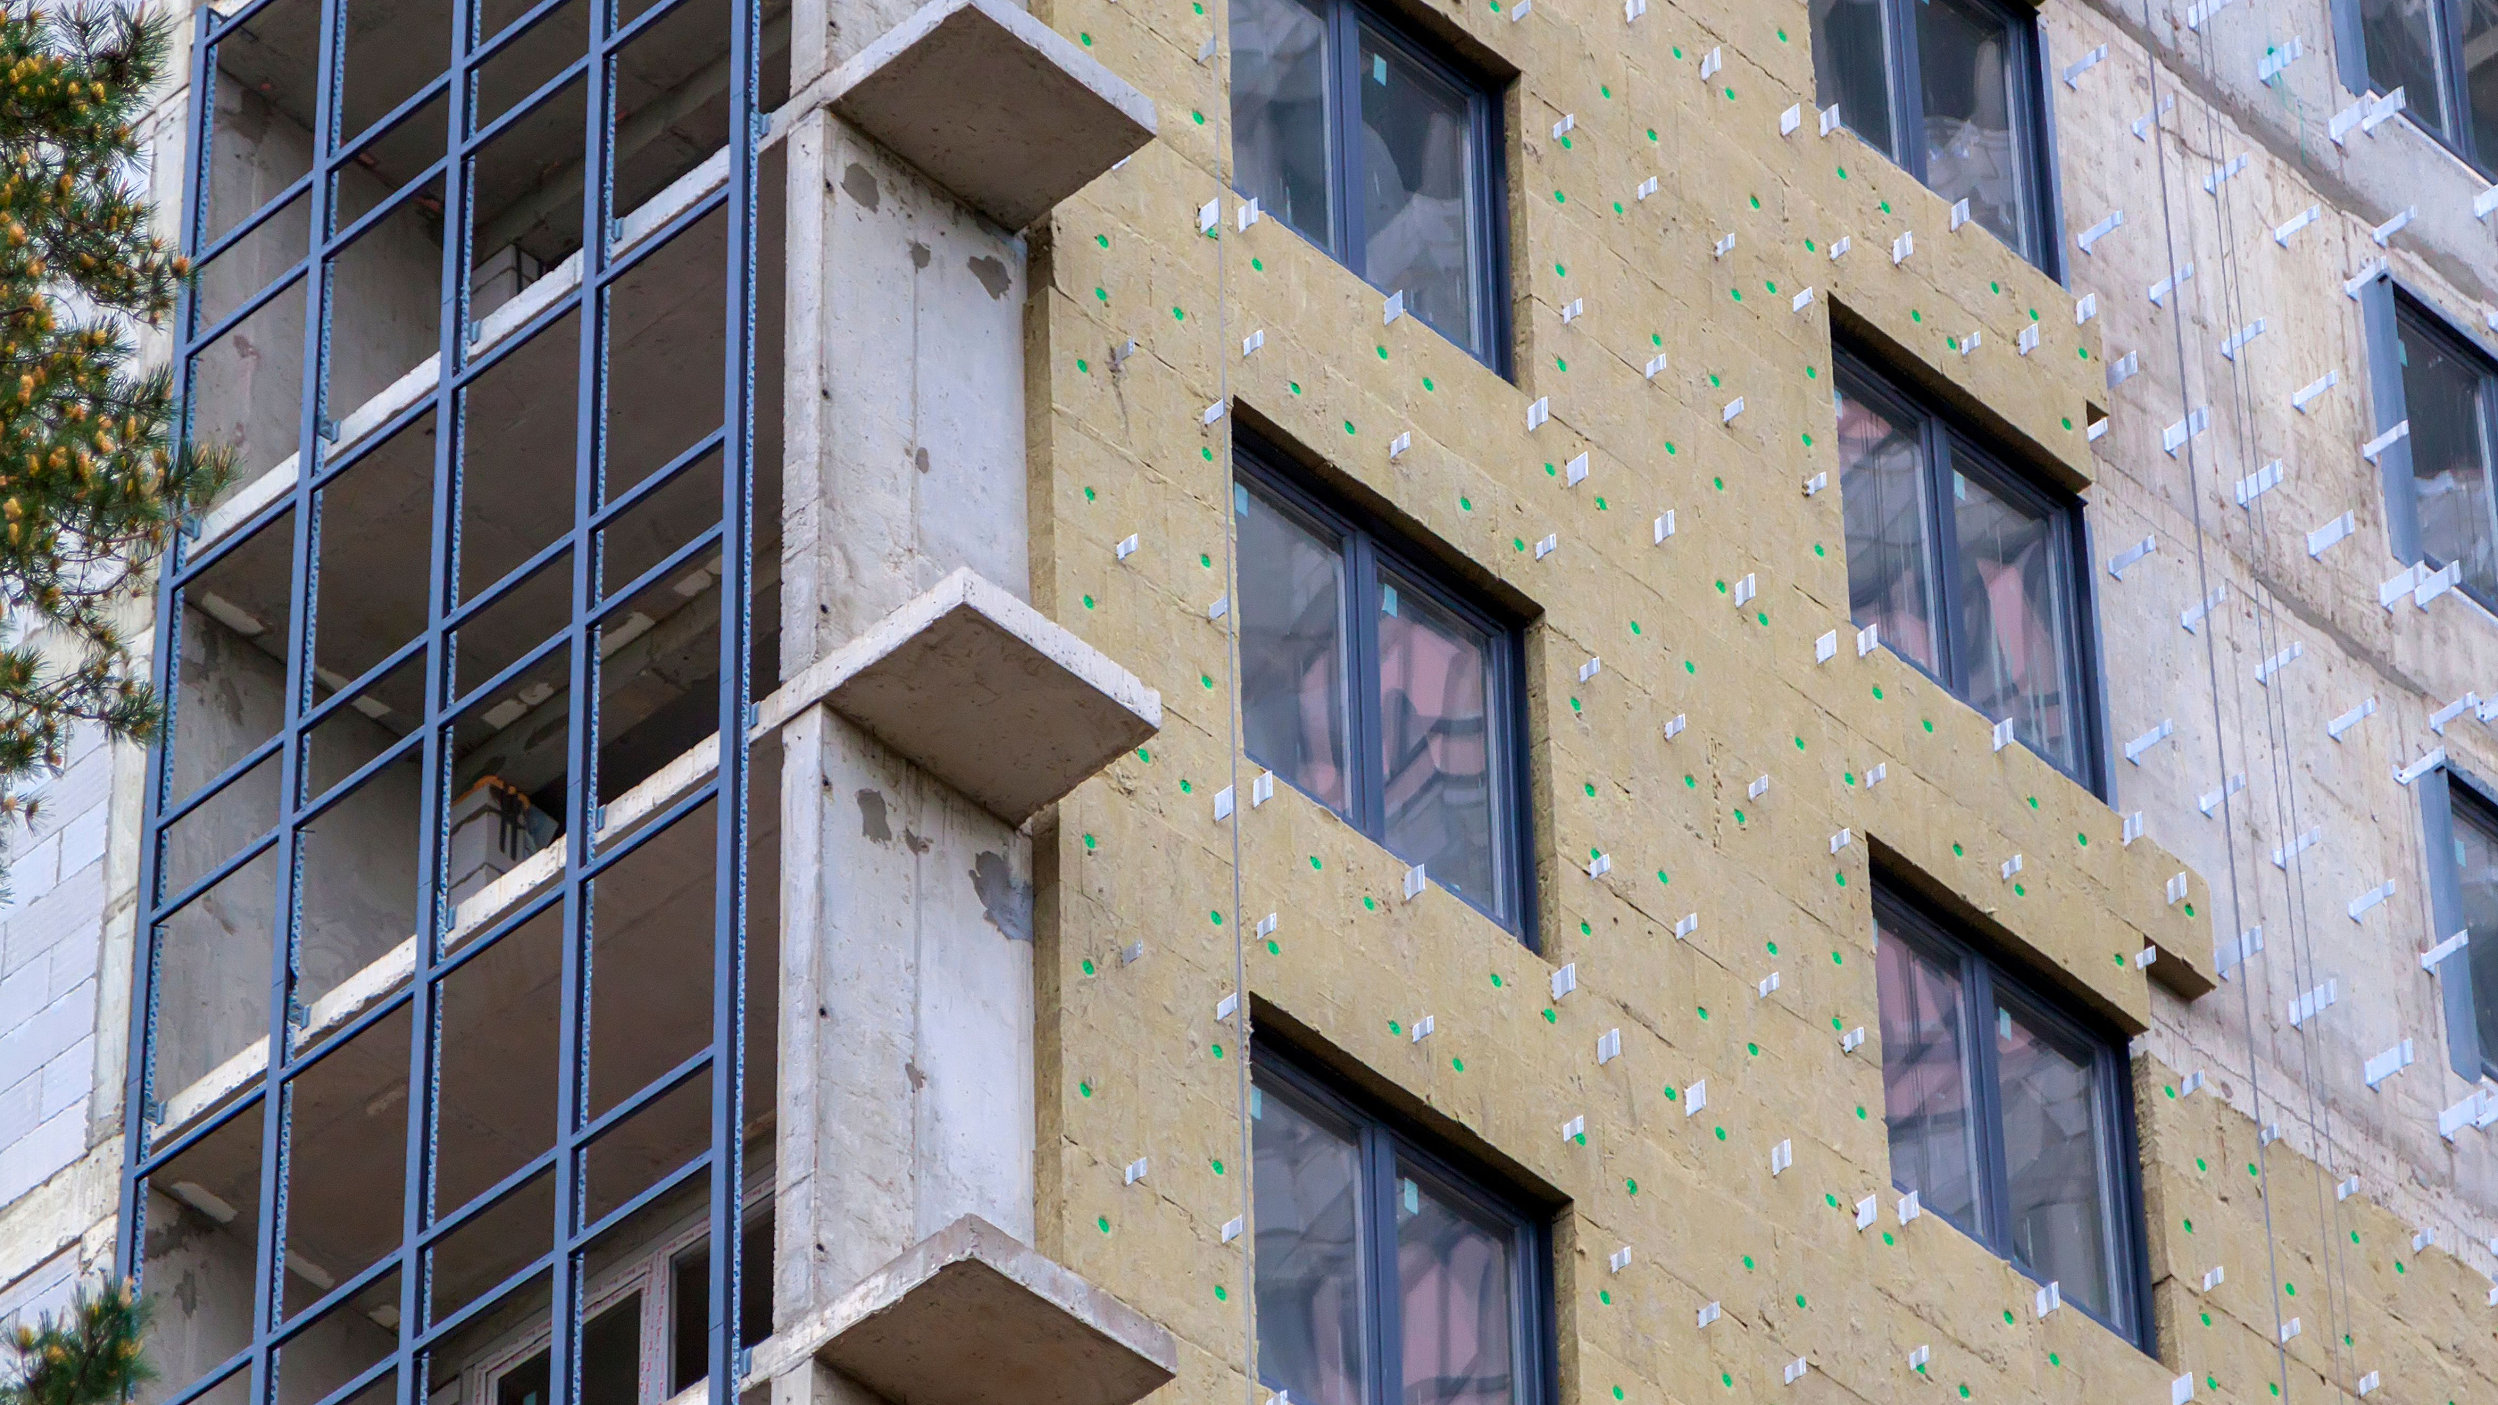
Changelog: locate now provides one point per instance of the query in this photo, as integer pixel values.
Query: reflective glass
(1307, 1180)
(1890, 556)
(1966, 53)
(2053, 1152)
(1292, 656)
(2480, 75)
(2015, 643)
(2402, 53)
(1925, 1079)
(1435, 741)
(1416, 153)
(1279, 112)
(2443, 395)
(1453, 1299)
(1852, 69)
(2476, 874)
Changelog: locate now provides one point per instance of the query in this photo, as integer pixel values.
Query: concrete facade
(958, 1012)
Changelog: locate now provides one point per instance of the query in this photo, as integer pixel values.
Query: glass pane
(2480, 75)
(1307, 1180)
(1279, 112)
(689, 1301)
(1417, 152)
(1852, 69)
(1453, 1299)
(2053, 1154)
(2442, 393)
(2014, 641)
(1975, 144)
(2476, 874)
(2402, 53)
(1925, 1079)
(1890, 559)
(1435, 745)
(1292, 698)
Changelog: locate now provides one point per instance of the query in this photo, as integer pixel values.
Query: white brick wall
(51, 934)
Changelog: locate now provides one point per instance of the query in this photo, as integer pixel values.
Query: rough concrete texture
(1133, 1061)
(993, 105)
(978, 689)
(973, 1316)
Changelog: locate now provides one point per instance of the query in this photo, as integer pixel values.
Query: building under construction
(1301, 702)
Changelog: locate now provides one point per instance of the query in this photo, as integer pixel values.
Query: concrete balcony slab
(973, 1316)
(993, 105)
(983, 692)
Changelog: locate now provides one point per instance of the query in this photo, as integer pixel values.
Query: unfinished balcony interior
(372, 262)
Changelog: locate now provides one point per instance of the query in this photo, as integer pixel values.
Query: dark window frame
(1985, 977)
(2443, 791)
(2386, 308)
(1381, 1140)
(1367, 544)
(1487, 175)
(1946, 444)
(2350, 47)
(2033, 109)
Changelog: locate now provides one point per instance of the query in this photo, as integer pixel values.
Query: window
(2442, 55)
(629, 1313)
(2439, 389)
(1378, 150)
(1377, 690)
(1967, 570)
(1385, 1276)
(2459, 823)
(2009, 1117)
(1950, 90)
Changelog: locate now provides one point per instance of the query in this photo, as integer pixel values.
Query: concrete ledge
(993, 105)
(973, 1316)
(983, 692)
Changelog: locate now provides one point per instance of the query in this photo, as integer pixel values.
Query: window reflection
(1292, 647)
(1415, 157)
(1309, 1278)
(1434, 740)
(2445, 398)
(2052, 1154)
(1925, 1079)
(1965, 54)
(1889, 554)
(1454, 1308)
(2013, 630)
(1279, 112)
(2402, 53)
(1851, 68)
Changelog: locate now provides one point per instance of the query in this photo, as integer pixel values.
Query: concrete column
(905, 1064)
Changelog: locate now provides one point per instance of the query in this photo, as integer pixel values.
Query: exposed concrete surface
(984, 693)
(995, 106)
(973, 1316)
